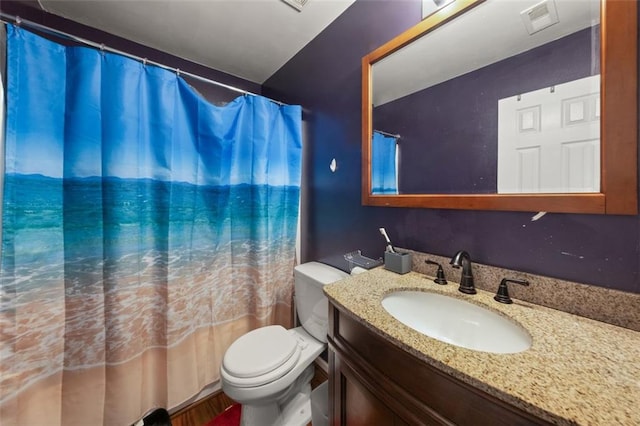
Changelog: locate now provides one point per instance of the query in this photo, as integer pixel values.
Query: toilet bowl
(268, 370)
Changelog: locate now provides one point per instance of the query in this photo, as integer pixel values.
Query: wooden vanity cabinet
(373, 382)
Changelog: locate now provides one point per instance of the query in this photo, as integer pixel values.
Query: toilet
(269, 369)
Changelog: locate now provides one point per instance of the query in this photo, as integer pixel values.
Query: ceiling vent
(296, 4)
(540, 16)
(432, 6)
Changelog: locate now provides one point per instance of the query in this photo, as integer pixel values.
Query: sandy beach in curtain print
(123, 261)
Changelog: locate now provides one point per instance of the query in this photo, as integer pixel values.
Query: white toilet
(268, 370)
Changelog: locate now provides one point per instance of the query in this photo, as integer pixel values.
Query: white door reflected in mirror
(549, 139)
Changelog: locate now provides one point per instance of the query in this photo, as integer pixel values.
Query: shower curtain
(144, 229)
(384, 179)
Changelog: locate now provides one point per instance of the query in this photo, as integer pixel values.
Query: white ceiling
(489, 33)
(250, 39)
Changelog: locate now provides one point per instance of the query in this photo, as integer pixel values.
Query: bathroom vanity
(577, 370)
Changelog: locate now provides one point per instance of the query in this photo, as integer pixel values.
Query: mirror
(458, 166)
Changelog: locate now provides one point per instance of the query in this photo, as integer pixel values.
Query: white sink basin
(457, 322)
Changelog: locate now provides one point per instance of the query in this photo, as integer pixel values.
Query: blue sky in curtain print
(113, 116)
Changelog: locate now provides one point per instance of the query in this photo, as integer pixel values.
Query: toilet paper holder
(355, 258)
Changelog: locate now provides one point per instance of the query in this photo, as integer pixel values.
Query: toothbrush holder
(400, 263)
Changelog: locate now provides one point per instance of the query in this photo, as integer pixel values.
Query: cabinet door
(356, 405)
(362, 407)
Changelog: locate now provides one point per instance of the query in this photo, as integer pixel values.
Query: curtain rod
(10, 19)
(397, 136)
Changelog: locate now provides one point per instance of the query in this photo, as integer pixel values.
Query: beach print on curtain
(384, 179)
(144, 229)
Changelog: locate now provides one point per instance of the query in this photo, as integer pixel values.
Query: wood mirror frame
(618, 131)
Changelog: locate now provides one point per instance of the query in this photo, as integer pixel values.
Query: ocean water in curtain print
(144, 229)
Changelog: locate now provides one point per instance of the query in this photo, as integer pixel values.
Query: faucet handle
(440, 279)
(502, 295)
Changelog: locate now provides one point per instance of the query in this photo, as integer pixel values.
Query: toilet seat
(260, 356)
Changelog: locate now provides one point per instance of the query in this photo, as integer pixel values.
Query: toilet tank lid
(320, 272)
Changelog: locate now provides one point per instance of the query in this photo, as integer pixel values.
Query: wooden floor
(203, 411)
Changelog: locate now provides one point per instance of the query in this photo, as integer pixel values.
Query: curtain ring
(18, 20)
(178, 72)
(144, 62)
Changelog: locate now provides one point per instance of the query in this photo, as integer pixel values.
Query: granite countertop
(577, 370)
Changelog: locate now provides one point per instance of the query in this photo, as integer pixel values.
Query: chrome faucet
(462, 259)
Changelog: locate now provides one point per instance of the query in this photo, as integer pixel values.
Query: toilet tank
(311, 303)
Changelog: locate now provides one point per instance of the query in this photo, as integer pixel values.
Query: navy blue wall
(325, 78)
(449, 142)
